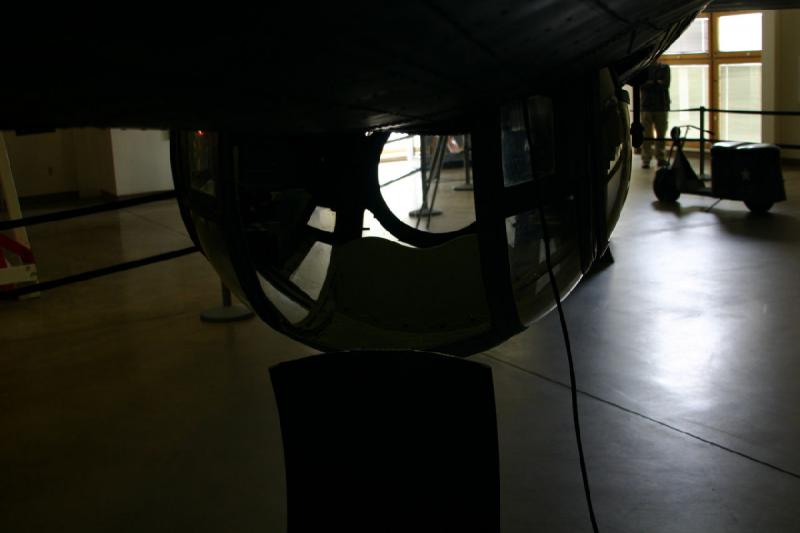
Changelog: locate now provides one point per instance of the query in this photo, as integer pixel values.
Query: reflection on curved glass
(426, 181)
(529, 156)
(319, 233)
(383, 294)
(310, 275)
(323, 218)
(616, 140)
(527, 260)
(517, 152)
(203, 163)
(291, 310)
(215, 246)
(374, 228)
(299, 243)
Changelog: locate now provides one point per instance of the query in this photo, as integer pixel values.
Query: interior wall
(787, 78)
(769, 32)
(92, 160)
(38, 164)
(64, 161)
(141, 161)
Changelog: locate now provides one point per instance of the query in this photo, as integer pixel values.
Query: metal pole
(226, 296)
(436, 166)
(423, 165)
(229, 312)
(467, 173)
(702, 141)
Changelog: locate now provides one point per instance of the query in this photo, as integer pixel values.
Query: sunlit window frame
(713, 59)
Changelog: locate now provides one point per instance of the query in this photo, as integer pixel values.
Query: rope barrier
(711, 140)
(404, 176)
(739, 111)
(82, 211)
(398, 139)
(91, 274)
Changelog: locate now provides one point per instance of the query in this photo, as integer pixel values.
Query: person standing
(655, 107)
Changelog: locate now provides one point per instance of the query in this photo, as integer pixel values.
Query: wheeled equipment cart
(747, 172)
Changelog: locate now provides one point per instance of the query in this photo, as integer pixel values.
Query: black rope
(564, 329)
(83, 211)
(749, 112)
(740, 111)
(712, 140)
(403, 138)
(84, 276)
(404, 176)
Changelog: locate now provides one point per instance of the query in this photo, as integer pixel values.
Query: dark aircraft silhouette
(277, 112)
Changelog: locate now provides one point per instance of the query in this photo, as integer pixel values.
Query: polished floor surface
(121, 411)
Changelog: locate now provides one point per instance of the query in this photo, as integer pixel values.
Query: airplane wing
(741, 5)
(342, 65)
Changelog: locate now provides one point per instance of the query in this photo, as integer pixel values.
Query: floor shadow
(676, 208)
(777, 227)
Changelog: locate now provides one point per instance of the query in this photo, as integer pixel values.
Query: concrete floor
(121, 411)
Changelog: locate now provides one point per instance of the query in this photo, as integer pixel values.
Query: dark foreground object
(389, 441)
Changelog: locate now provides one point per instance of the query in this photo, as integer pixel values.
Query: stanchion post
(434, 173)
(702, 141)
(423, 158)
(229, 312)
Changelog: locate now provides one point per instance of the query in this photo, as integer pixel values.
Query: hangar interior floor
(121, 411)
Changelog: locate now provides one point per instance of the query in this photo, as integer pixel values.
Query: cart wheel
(758, 205)
(664, 185)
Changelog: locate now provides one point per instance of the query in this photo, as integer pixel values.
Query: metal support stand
(467, 185)
(426, 211)
(229, 312)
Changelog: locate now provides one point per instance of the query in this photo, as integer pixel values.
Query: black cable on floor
(562, 318)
